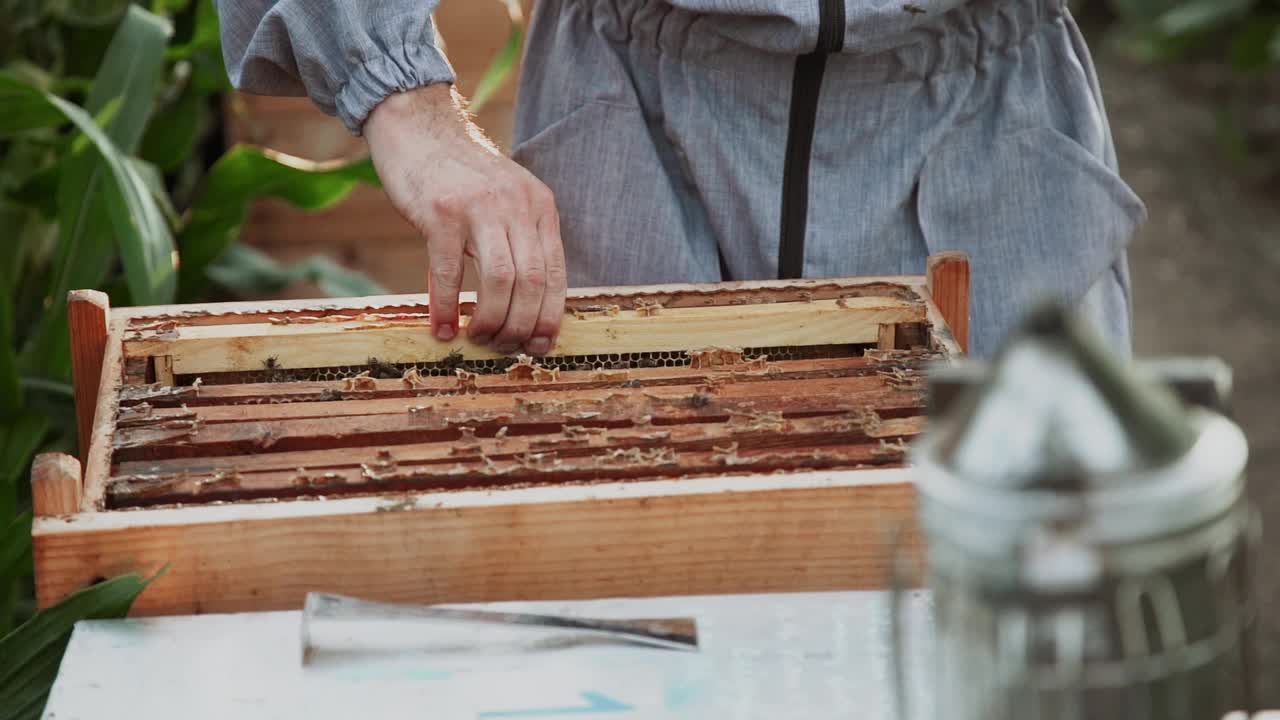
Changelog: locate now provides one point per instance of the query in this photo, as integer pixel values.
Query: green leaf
(33, 711)
(169, 7)
(29, 656)
(15, 547)
(33, 74)
(242, 175)
(39, 191)
(32, 692)
(1198, 16)
(499, 71)
(88, 13)
(248, 272)
(153, 180)
(174, 131)
(101, 197)
(131, 72)
(205, 36)
(25, 108)
(19, 440)
(10, 390)
(16, 220)
(1251, 46)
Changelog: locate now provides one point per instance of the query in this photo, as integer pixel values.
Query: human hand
(467, 199)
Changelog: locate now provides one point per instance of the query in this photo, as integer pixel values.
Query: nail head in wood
(55, 485)
(87, 317)
(948, 277)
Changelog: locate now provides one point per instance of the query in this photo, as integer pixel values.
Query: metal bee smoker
(1088, 534)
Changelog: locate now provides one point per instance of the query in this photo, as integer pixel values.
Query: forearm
(346, 56)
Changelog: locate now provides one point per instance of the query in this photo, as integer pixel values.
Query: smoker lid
(1058, 411)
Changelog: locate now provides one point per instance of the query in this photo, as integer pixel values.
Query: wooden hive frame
(198, 478)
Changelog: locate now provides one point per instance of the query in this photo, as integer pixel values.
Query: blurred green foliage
(1245, 33)
(1239, 36)
(107, 176)
(111, 169)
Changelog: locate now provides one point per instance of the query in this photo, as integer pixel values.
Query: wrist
(437, 106)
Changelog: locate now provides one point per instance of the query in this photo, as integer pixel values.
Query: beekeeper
(703, 140)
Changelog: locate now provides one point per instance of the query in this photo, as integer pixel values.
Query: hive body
(678, 440)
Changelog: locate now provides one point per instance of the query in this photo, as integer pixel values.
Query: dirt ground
(1206, 270)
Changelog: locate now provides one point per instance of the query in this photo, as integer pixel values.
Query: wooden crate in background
(364, 232)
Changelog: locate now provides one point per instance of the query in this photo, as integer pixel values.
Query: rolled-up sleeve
(346, 56)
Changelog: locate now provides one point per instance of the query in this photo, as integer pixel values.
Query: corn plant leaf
(14, 218)
(248, 272)
(170, 141)
(32, 711)
(242, 175)
(15, 547)
(19, 439)
(31, 694)
(153, 181)
(204, 36)
(131, 70)
(30, 654)
(170, 7)
(499, 70)
(39, 190)
(10, 390)
(24, 111)
(100, 194)
(111, 598)
(88, 13)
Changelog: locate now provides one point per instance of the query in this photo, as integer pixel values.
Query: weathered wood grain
(88, 314)
(576, 484)
(97, 468)
(55, 485)
(565, 441)
(814, 531)
(574, 455)
(223, 348)
(948, 277)
(189, 437)
(904, 287)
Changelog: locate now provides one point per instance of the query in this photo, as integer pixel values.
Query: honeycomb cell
(609, 361)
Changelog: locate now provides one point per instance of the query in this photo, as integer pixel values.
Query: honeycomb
(603, 361)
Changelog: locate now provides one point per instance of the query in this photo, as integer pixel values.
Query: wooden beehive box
(679, 440)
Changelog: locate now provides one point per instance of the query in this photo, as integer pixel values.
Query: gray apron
(704, 140)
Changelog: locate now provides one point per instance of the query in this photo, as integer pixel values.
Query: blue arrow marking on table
(596, 703)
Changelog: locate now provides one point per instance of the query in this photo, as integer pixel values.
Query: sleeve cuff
(415, 66)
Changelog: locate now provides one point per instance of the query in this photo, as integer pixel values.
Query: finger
(526, 296)
(547, 327)
(444, 281)
(492, 253)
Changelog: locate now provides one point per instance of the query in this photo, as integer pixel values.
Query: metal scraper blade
(338, 624)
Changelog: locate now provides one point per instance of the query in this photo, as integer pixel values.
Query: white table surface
(809, 656)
